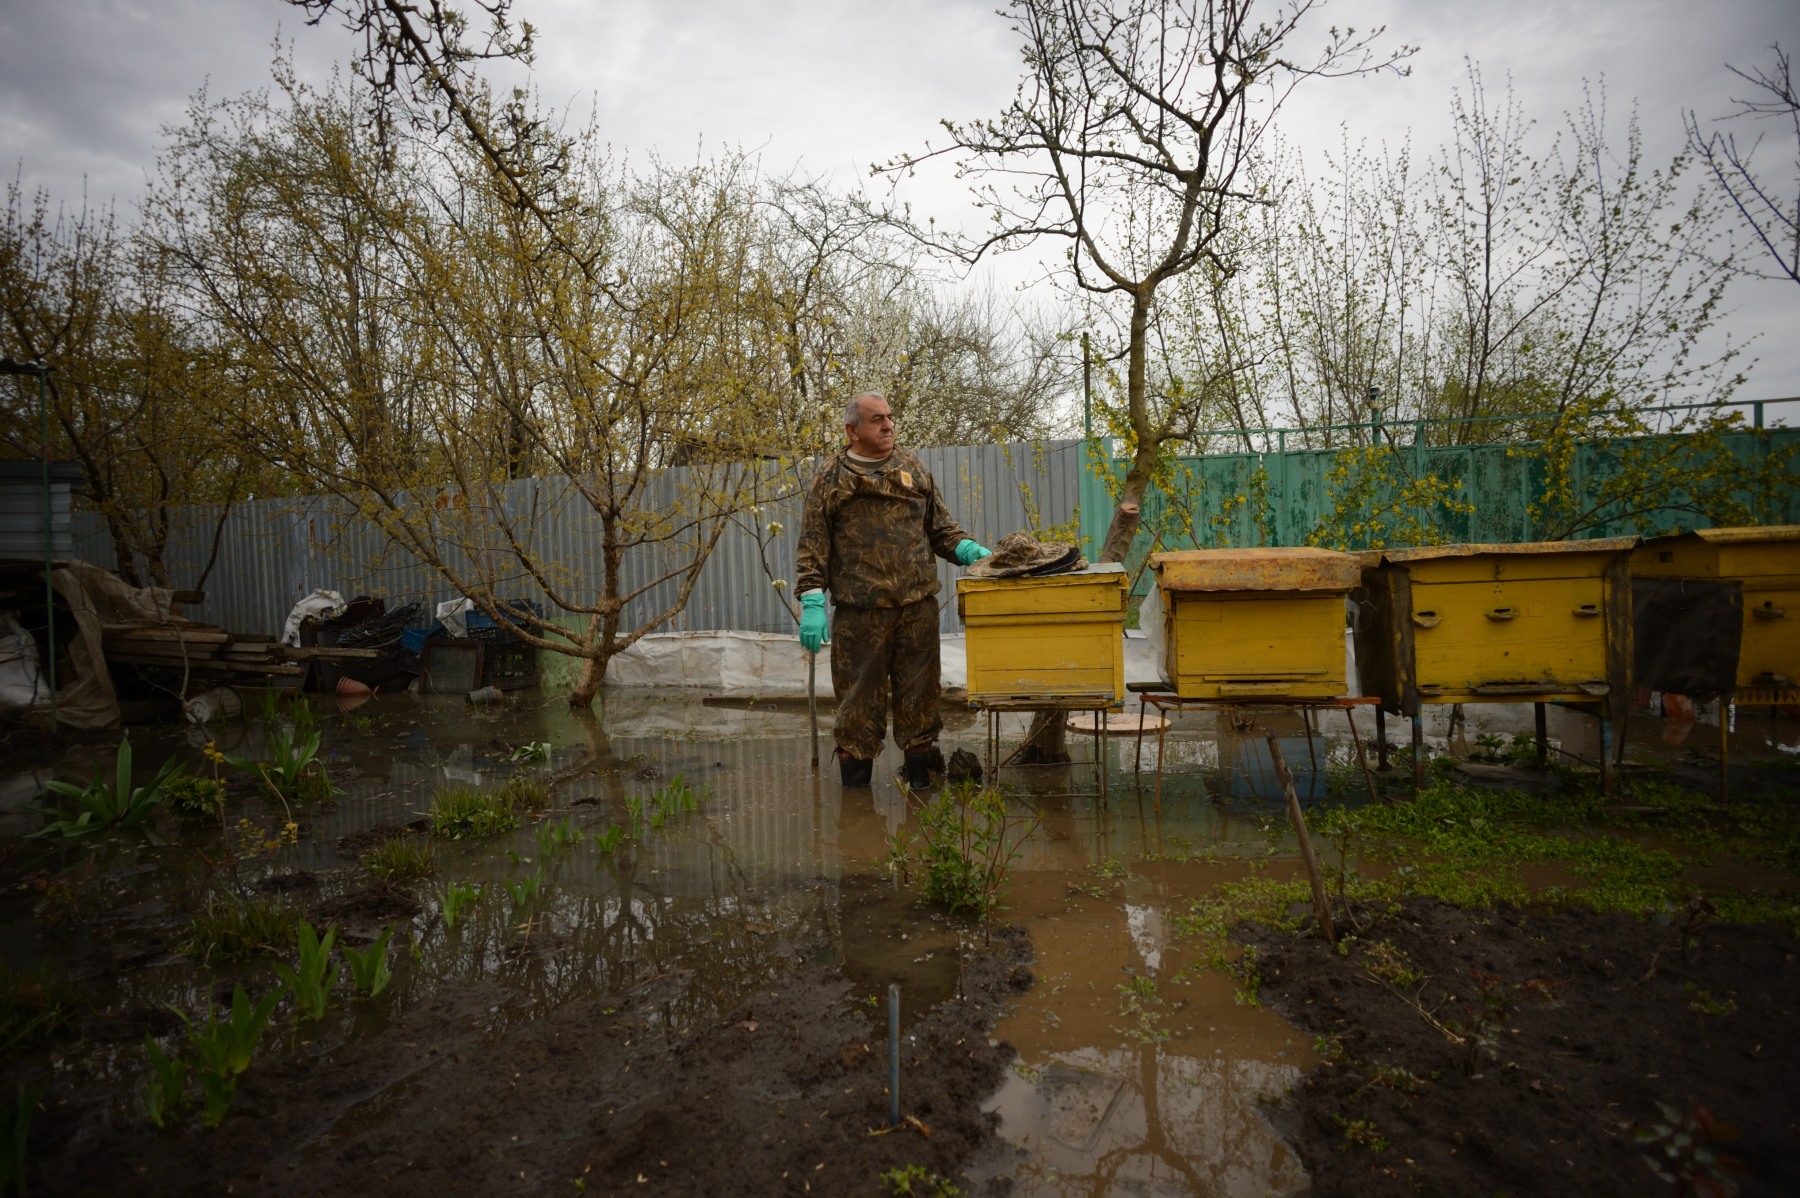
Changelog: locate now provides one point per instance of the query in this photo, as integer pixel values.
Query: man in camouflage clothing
(873, 520)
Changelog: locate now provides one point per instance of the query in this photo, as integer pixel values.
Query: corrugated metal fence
(1281, 497)
(273, 552)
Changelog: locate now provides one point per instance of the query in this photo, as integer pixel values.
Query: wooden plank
(327, 653)
(219, 668)
(198, 634)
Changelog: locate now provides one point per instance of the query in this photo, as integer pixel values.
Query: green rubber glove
(812, 620)
(969, 552)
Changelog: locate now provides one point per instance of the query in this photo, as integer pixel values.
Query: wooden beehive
(1765, 563)
(1539, 622)
(1253, 623)
(1060, 637)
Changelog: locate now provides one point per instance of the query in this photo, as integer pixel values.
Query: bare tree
(1127, 141)
(1768, 210)
(421, 61)
(445, 363)
(136, 395)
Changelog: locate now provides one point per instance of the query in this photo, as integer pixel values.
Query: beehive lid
(1280, 569)
(1067, 578)
(1748, 536)
(1421, 553)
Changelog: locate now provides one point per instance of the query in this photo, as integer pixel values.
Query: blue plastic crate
(413, 639)
(483, 627)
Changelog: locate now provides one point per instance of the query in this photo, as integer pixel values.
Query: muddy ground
(1594, 1023)
(785, 1094)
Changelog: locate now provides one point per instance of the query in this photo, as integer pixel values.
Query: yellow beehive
(1545, 621)
(1060, 637)
(1254, 623)
(1766, 562)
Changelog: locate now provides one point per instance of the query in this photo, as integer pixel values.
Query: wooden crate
(1058, 637)
(1253, 623)
(1539, 622)
(1765, 562)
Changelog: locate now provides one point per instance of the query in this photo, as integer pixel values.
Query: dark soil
(1620, 1022)
(356, 843)
(784, 1095)
(361, 916)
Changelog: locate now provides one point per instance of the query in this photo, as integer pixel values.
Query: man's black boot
(917, 770)
(854, 771)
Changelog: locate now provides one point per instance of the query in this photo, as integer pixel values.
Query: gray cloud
(86, 85)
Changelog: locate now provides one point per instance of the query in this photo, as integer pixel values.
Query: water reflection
(683, 921)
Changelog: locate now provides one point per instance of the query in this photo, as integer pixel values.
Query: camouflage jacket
(869, 531)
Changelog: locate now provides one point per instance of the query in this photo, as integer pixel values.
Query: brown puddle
(1138, 1071)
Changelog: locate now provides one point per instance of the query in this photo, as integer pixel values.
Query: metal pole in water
(812, 704)
(894, 1054)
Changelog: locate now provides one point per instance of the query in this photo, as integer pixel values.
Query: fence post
(1281, 489)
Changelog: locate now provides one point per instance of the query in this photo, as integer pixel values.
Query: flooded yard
(672, 975)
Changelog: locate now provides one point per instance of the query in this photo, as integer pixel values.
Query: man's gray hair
(853, 409)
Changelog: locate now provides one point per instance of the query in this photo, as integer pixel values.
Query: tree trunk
(587, 686)
(1047, 742)
(593, 669)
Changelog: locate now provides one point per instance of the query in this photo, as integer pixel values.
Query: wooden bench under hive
(1060, 637)
(1763, 564)
(1254, 623)
(1544, 622)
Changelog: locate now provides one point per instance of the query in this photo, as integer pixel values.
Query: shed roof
(31, 470)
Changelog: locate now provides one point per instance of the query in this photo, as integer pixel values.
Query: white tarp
(320, 605)
(741, 664)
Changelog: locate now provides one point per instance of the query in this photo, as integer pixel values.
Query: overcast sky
(87, 85)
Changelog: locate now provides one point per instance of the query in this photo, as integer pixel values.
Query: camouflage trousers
(882, 656)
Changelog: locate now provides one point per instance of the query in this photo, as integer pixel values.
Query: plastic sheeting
(320, 605)
(773, 665)
(87, 700)
(735, 664)
(21, 678)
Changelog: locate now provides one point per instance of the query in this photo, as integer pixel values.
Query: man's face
(874, 437)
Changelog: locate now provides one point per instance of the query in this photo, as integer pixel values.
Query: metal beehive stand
(992, 708)
(1166, 702)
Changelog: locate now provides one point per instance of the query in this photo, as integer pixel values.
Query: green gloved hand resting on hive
(812, 620)
(970, 552)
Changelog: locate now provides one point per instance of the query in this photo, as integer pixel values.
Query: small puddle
(1138, 1071)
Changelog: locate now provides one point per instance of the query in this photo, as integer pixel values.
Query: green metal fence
(1282, 496)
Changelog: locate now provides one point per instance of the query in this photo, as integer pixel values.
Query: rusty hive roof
(1747, 536)
(1280, 569)
(1419, 553)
